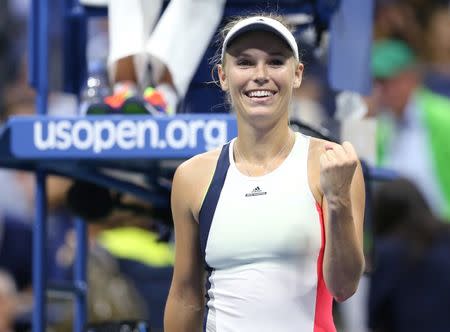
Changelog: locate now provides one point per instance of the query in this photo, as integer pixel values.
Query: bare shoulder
(193, 176)
(198, 167)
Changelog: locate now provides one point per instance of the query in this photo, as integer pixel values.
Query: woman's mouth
(260, 95)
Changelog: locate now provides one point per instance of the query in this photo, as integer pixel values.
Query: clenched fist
(337, 167)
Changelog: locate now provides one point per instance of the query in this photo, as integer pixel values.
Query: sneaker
(120, 96)
(124, 100)
(98, 108)
(155, 99)
(138, 105)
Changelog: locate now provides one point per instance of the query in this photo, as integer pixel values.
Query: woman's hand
(337, 167)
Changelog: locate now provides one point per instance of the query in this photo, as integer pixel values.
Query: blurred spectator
(405, 133)
(140, 37)
(15, 260)
(16, 250)
(439, 29)
(409, 288)
(3, 51)
(146, 261)
(12, 39)
(8, 302)
(436, 25)
(128, 230)
(425, 26)
(19, 13)
(17, 207)
(143, 257)
(19, 201)
(397, 19)
(111, 296)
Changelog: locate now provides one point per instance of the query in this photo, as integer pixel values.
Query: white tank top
(262, 239)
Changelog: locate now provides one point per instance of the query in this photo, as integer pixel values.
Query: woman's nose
(261, 76)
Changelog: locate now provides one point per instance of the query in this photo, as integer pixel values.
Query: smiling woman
(273, 217)
(260, 71)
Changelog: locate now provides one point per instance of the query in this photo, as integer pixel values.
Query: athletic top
(262, 239)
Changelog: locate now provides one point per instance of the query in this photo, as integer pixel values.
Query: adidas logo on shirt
(256, 192)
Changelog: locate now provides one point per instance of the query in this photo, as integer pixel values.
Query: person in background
(16, 270)
(173, 46)
(397, 19)
(412, 123)
(132, 239)
(409, 289)
(8, 302)
(435, 19)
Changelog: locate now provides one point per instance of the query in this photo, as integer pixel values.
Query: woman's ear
(298, 75)
(222, 78)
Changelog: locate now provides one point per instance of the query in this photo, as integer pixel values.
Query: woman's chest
(263, 220)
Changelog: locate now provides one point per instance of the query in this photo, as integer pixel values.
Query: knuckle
(353, 161)
(327, 167)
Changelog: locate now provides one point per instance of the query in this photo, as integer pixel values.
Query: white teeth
(260, 93)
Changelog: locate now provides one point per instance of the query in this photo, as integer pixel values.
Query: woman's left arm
(342, 185)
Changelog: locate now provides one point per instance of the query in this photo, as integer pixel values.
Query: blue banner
(119, 137)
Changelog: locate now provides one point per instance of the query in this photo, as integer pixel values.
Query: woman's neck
(261, 146)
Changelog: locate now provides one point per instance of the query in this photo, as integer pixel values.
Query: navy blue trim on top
(209, 205)
(207, 286)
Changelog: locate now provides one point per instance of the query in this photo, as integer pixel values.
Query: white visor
(261, 23)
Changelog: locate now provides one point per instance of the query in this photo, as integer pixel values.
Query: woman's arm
(343, 202)
(185, 303)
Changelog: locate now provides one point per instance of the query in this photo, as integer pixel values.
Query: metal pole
(80, 276)
(42, 61)
(40, 34)
(39, 255)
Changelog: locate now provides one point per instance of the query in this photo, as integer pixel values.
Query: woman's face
(438, 40)
(259, 73)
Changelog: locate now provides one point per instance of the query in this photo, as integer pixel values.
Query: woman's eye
(243, 62)
(276, 62)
